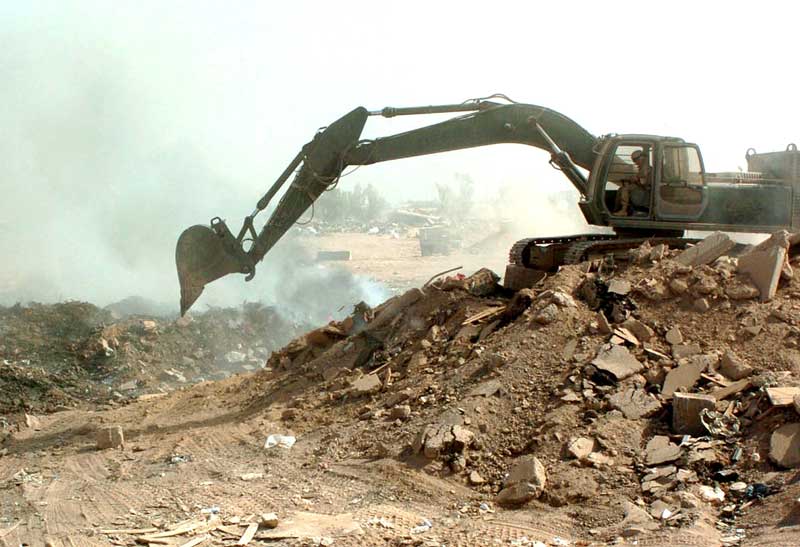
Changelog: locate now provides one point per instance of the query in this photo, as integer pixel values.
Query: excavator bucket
(201, 257)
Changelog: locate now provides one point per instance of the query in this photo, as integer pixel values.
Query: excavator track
(531, 259)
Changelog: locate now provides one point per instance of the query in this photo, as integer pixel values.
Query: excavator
(644, 187)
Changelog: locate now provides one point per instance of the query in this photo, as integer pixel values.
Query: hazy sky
(124, 122)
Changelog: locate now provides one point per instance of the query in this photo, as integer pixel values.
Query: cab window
(681, 190)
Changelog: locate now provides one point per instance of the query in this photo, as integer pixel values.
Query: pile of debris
(668, 379)
(61, 355)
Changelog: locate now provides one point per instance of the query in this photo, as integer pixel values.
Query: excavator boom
(204, 254)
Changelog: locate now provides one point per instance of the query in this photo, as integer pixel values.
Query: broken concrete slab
(635, 403)
(660, 450)
(109, 437)
(686, 409)
(763, 264)
(682, 351)
(367, 384)
(641, 331)
(731, 366)
(619, 286)
(683, 377)
(782, 396)
(617, 361)
(784, 446)
(706, 251)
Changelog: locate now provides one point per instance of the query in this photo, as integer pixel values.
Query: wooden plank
(196, 541)
(484, 314)
(732, 389)
(248, 535)
(132, 531)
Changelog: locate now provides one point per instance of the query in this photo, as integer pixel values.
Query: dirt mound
(602, 372)
(633, 400)
(62, 355)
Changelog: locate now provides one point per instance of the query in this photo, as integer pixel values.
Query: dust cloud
(100, 173)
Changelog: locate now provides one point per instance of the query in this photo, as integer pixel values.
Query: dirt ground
(364, 403)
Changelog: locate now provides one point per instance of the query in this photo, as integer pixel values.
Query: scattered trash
(423, 527)
(282, 441)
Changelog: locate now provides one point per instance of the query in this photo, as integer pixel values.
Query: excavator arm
(204, 254)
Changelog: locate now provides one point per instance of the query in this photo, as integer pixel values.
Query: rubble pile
(61, 355)
(648, 390)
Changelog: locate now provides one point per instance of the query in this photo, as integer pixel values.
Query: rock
(635, 403)
(527, 469)
(711, 494)
(517, 494)
(637, 521)
(369, 383)
(674, 336)
(475, 478)
(678, 286)
(796, 403)
(686, 408)
(733, 367)
(580, 448)
(701, 305)
(682, 351)
(109, 437)
(641, 331)
(658, 251)
(436, 440)
(289, 414)
(784, 446)
(546, 315)
(269, 520)
(400, 412)
(619, 286)
(525, 482)
(741, 291)
(602, 324)
(149, 326)
(660, 450)
(706, 251)
(599, 460)
(617, 361)
(683, 377)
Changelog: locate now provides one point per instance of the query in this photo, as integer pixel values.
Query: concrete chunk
(674, 336)
(707, 251)
(660, 450)
(733, 367)
(634, 403)
(764, 263)
(784, 446)
(110, 437)
(686, 409)
(617, 361)
(682, 377)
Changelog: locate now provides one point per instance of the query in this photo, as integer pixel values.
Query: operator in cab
(634, 194)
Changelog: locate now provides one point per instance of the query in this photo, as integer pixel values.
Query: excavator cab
(642, 179)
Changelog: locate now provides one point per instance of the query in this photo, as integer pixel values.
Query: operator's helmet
(636, 155)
